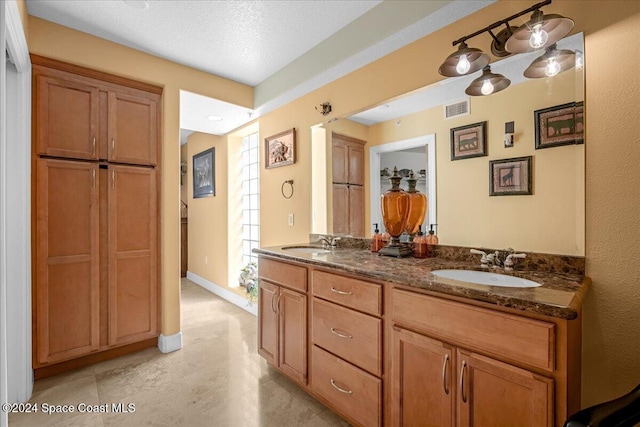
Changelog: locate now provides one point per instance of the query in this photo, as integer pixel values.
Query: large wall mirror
(550, 220)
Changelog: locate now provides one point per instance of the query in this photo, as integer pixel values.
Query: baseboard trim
(223, 293)
(169, 343)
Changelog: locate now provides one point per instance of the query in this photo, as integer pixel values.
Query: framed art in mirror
(469, 141)
(280, 149)
(511, 177)
(204, 174)
(559, 125)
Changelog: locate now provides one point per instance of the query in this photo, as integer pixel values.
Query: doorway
(418, 154)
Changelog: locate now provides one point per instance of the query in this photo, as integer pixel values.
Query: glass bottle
(395, 210)
(420, 246)
(417, 207)
(376, 239)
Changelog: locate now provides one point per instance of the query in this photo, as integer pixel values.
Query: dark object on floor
(621, 412)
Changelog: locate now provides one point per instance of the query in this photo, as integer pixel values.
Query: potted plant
(249, 279)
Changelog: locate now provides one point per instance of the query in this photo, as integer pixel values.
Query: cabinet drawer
(282, 273)
(353, 336)
(346, 291)
(349, 389)
(515, 338)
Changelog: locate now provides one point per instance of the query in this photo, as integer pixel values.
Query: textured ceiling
(284, 49)
(246, 41)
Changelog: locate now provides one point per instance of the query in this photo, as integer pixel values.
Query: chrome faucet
(493, 259)
(328, 241)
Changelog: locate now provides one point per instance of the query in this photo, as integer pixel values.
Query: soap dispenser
(420, 245)
(432, 239)
(376, 239)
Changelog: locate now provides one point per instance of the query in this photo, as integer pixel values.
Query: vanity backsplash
(533, 262)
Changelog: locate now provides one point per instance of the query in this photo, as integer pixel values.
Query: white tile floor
(217, 379)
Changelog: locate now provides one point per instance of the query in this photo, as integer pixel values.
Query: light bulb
(487, 87)
(538, 37)
(552, 68)
(579, 60)
(463, 65)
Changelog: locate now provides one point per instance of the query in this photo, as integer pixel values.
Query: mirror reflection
(414, 132)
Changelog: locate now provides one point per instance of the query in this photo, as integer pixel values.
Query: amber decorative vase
(395, 211)
(417, 207)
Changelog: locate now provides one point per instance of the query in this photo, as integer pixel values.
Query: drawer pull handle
(333, 383)
(333, 331)
(444, 374)
(338, 291)
(93, 146)
(273, 297)
(462, 371)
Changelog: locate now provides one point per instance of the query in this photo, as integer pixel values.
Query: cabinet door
(292, 356)
(356, 164)
(133, 285)
(422, 380)
(339, 162)
(67, 275)
(356, 210)
(495, 394)
(340, 195)
(66, 118)
(268, 322)
(133, 128)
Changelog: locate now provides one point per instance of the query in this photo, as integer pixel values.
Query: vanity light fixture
(537, 33)
(553, 61)
(540, 31)
(488, 83)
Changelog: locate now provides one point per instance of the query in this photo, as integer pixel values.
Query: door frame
(15, 214)
(374, 177)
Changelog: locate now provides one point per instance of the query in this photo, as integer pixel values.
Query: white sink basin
(486, 278)
(306, 249)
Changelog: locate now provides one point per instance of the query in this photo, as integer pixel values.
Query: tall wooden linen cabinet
(96, 140)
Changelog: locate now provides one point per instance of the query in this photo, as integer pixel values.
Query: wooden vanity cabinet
(346, 346)
(459, 364)
(282, 317)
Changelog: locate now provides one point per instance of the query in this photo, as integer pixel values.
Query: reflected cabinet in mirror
(414, 133)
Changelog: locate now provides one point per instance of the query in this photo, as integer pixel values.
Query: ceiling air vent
(460, 108)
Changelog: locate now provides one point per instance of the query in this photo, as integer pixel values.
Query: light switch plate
(290, 219)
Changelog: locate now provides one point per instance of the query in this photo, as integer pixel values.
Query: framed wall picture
(511, 177)
(469, 141)
(204, 174)
(280, 149)
(559, 125)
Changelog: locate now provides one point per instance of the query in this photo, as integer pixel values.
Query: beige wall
(611, 346)
(24, 17)
(551, 220)
(208, 216)
(58, 42)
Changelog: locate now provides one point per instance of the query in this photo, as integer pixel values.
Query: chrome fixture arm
(328, 241)
(508, 262)
(484, 261)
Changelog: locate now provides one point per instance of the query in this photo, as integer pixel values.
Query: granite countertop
(560, 295)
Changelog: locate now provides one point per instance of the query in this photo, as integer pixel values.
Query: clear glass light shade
(465, 60)
(487, 83)
(541, 30)
(552, 62)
